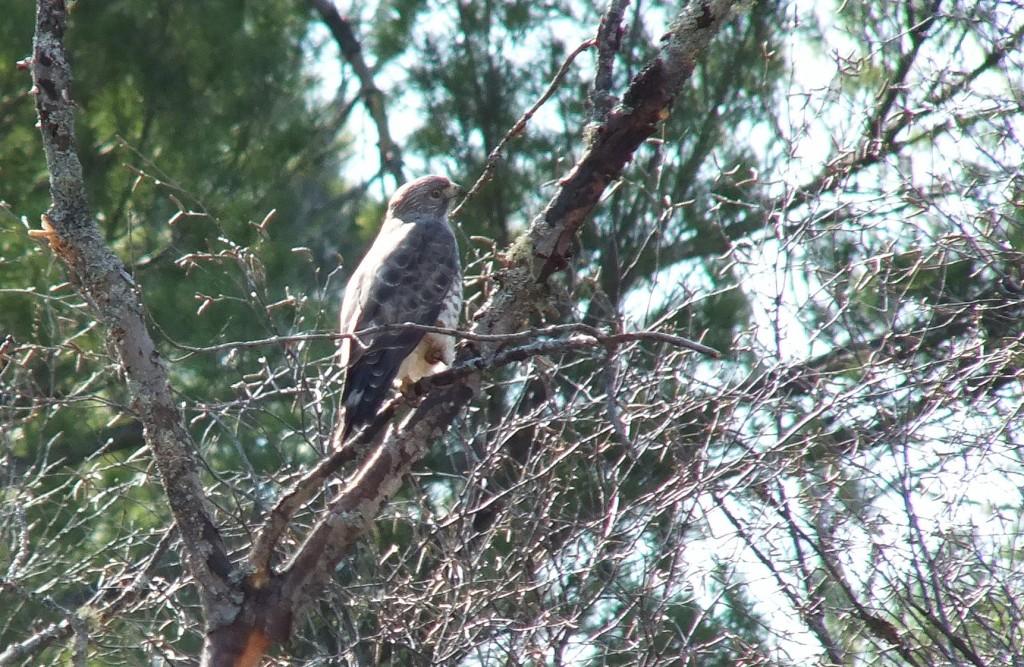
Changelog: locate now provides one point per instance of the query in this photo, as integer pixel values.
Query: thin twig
(495, 155)
(305, 488)
(554, 330)
(612, 402)
(74, 624)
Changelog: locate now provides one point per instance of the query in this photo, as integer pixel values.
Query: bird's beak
(454, 190)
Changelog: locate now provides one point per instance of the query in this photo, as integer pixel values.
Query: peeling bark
(646, 103)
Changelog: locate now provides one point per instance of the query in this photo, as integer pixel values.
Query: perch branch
(529, 334)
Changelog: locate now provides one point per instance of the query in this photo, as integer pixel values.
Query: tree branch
(17, 653)
(373, 98)
(645, 104)
(495, 156)
(359, 502)
(530, 334)
(113, 296)
(609, 38)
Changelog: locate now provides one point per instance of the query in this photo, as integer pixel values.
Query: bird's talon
(410, 390)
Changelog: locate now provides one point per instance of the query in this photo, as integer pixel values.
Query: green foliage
(393, 22)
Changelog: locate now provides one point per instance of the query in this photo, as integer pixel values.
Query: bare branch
(530, 334)
(609, 38)
(495, 156)
(373, 98)
(23, 650)
(359, 502)
(106, 610)
(113, 296)
(643, 107)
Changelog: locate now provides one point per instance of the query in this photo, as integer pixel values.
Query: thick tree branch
(544, 248)
(645, 104)
(18, 653)
(102, 280)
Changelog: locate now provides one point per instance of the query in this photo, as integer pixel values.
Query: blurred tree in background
(835, 202)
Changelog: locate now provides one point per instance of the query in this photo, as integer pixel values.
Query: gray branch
(373, 98)
(114, 298)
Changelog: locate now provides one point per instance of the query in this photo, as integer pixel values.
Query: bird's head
(425, 198)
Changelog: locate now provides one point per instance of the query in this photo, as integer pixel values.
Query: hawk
(412, 274)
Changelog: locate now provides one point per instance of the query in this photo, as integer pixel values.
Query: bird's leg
(432, 359)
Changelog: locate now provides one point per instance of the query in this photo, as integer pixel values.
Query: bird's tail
(360, 403)
(368, 380)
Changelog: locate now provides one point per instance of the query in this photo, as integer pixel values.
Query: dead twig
(495, 155)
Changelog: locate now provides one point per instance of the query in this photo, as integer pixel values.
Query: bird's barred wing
(405, 279)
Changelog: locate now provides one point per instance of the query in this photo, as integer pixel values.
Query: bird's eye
(435, 194)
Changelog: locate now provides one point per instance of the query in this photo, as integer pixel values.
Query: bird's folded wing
(404, 278)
